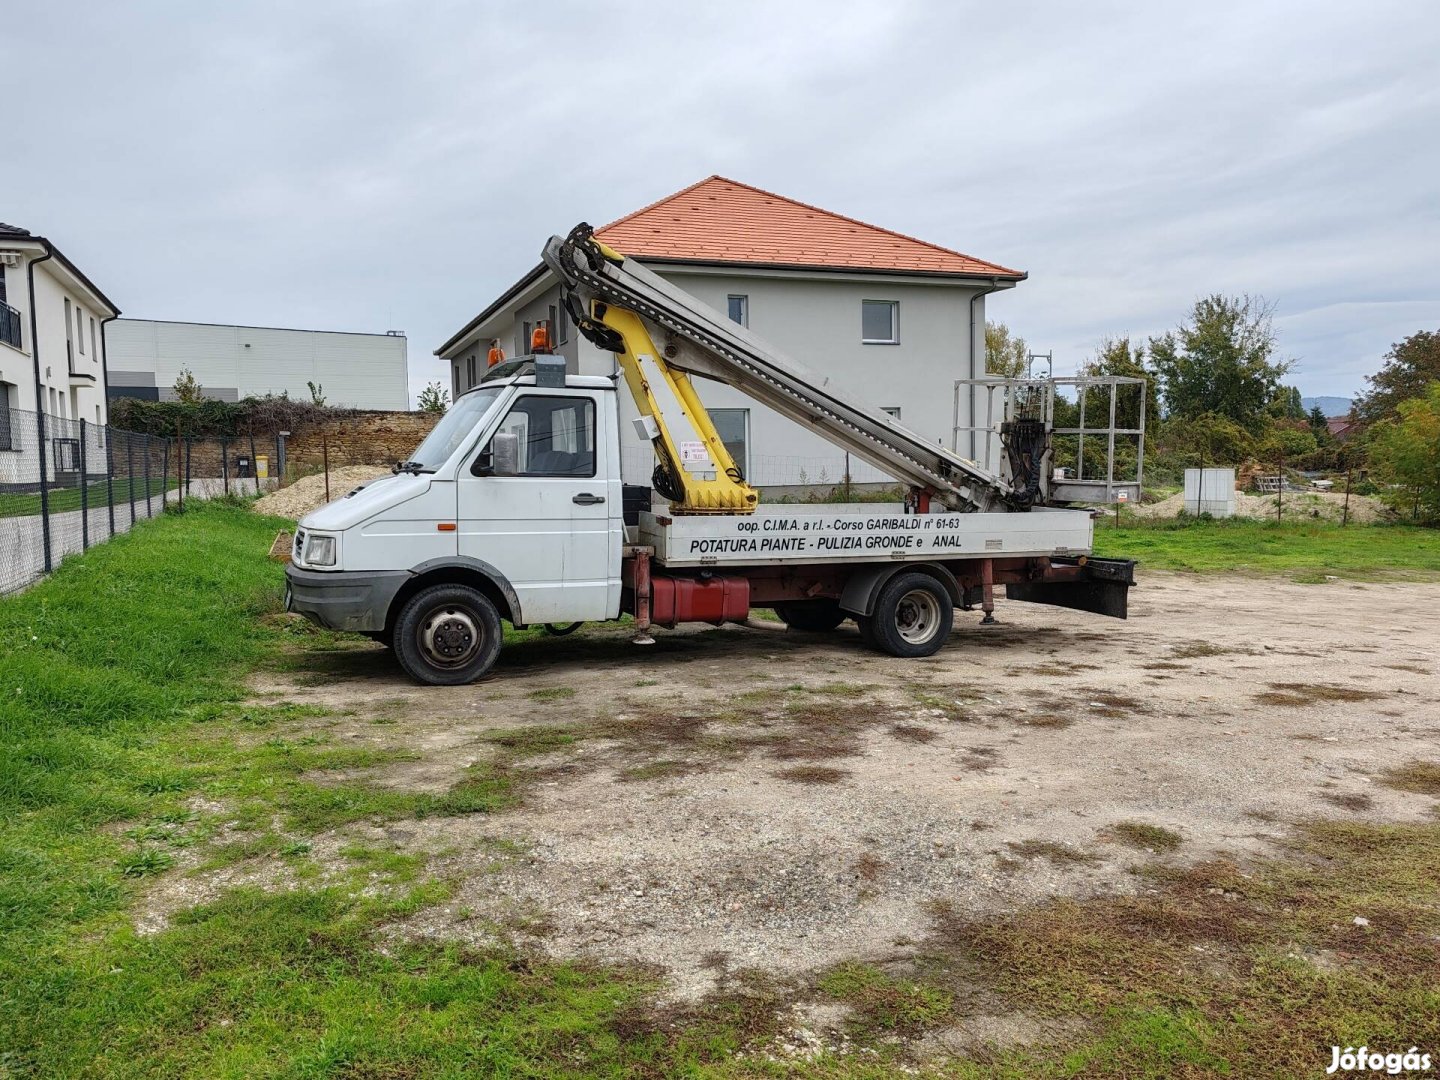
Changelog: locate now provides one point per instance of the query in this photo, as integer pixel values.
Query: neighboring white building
(52, 333)
(893, 320)
(362, 371)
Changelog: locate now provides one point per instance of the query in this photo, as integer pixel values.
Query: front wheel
(913, 617)
(447, 635)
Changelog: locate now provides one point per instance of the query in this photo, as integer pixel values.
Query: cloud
(384, 165)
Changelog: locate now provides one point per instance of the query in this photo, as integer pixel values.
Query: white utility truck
(513, 507)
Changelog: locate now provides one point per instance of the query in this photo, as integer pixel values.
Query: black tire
(812, 616)
(913, 616)
(447, 635)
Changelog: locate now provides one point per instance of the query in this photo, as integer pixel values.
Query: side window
(557, 435)
(880, 322)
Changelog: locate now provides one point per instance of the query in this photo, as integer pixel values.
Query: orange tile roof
(720, 220)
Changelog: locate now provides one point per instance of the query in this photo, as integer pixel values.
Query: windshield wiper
(411, 467)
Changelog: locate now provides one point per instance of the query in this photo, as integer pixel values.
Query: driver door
(548, 528)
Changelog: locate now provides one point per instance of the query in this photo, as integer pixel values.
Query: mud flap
(1103, 590)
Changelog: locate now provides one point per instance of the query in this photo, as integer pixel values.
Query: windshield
(454, 428)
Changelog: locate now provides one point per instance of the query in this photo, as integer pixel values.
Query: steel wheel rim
(917, 616)
(449, 636)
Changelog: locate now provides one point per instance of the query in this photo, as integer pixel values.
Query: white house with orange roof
(892, 320)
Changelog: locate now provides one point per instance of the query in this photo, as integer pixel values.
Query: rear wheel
(913, 617)
(815, 616)
(447, 635)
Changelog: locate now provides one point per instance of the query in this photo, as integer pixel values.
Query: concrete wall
(815, 320)
(365, 371)
(377, 438)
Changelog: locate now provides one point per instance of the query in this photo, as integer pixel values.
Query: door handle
(586, 499)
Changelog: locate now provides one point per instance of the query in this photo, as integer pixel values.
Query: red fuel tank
(715, 600)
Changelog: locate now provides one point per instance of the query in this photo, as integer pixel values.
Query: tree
(1287, 404)
(1005, 355)
(433, 398)
(1221, 362)
(1319, 425)
(1410, 366)
(317, 393)
(187, 389)
(1405, 450)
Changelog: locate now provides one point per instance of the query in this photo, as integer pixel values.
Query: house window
(80, 328)
(733, 426)
(562, 325)
(551, 326)
(557, 435)
(94, 349)
(880, 322)
(891, 410)
(739, 309)
(2, 285)
(69, 343)
(470, 371)
(6, 397)
(523, 347)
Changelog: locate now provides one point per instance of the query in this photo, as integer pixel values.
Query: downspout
(105, 366)
(39, 401)
(979, 294)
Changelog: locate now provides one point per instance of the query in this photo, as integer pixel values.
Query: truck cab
(515, 495)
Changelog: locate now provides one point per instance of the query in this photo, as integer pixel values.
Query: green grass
(1308, 552)
(97, 495)
(124, 722)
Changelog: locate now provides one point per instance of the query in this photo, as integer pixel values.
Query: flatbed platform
(860, 532)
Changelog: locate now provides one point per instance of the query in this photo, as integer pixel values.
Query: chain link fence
(66, 485)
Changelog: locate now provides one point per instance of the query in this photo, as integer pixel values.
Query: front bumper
(356, 600)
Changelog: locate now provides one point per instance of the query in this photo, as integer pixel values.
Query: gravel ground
(985, 778)
(308, 493)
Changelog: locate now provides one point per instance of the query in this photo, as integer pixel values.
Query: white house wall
(366, 371)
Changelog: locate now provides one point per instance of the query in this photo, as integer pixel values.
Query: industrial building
(362, 371)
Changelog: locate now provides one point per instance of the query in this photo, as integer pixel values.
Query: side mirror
(501, 457)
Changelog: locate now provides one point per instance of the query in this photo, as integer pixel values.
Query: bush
(1406, 454)
(208, 418)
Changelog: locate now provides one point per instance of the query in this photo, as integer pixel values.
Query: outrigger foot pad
(989, 619)
(642, 639)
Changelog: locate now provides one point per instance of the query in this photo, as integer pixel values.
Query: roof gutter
(40, 403)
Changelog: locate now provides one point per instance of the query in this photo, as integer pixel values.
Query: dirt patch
(308, 493)
(654, 826)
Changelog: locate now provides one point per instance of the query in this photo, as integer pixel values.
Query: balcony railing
(9, 325)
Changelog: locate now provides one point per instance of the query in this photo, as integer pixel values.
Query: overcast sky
(387, 165)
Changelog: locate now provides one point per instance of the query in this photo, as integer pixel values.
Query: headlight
(320, 550)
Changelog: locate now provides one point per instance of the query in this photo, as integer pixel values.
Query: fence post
(84, 495)
(130, 473)
(189, 447)
(110, 478)
(325, 458)
(225, 463)
(254, 465)
(1280, 490)
(44, 493)
(149, 503)
(1345, 514)
(164, 472)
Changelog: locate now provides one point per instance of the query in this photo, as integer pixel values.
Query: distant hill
(1330, 406)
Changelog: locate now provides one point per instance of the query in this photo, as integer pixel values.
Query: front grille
(299, 552)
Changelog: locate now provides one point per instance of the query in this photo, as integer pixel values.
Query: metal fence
(66, 484)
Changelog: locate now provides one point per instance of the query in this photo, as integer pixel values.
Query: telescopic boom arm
(624, 308)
